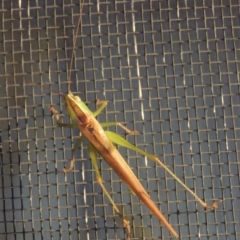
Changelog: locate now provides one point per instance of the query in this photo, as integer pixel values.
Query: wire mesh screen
(168, 69)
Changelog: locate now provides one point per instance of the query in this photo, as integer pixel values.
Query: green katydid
(102, 142)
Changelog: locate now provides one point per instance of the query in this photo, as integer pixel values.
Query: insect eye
(77, 98)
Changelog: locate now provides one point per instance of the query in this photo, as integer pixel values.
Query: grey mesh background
(168, 69)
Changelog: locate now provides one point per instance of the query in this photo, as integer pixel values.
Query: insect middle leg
(103, 104)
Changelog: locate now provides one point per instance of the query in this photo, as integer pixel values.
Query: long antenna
(74, 46)
(39, 85)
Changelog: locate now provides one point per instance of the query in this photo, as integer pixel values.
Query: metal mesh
(168, 69)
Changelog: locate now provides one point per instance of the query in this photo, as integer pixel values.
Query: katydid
(102, 142)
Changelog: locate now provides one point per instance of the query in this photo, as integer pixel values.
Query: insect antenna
(39, 85)
(74, 46)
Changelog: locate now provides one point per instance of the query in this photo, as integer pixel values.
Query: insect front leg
(102, 104)
(68, 125)
(59, 123)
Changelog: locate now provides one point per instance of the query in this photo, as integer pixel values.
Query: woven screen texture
(169, 69)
